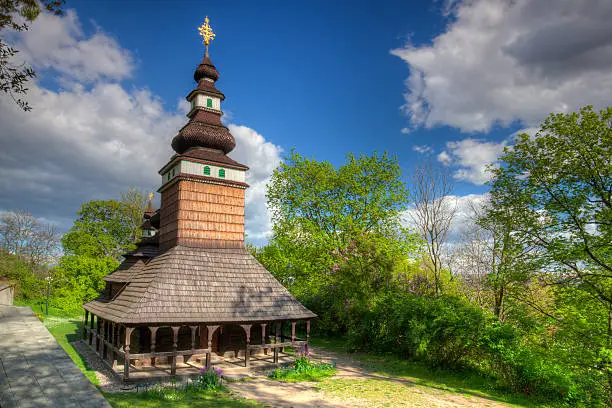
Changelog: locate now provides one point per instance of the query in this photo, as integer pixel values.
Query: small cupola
(148, 230)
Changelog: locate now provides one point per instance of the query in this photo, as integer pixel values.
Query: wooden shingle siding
(202, 285)
(198, 214)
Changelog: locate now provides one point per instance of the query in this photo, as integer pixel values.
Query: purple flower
(218, 371)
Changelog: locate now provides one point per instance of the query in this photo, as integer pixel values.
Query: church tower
(191, 294)
(202, 188)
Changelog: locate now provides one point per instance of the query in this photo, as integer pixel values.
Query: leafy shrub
(441, 331)
(531, 370)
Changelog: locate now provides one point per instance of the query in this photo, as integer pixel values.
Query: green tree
(337, 231)
(13, 78)
(80, 278)
(507, 257)
(134, 202)
(103, 229)
(557, 186)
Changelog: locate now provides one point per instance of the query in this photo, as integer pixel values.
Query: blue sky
(315, 76)
(446, 81)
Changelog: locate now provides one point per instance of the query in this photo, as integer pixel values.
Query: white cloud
(462, 220)
(471, 157)
(423, 149)
(262, 157)
(405, 131)
(500, 62)
(95, 139)
(444, 158)
(58, 43)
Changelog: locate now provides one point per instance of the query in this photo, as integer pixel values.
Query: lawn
(221, 399)
(404, 375)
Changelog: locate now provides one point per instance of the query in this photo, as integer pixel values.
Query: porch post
(247, 330)
(282, 335)
(91, 326)
(307, 334)
(103, 345)
(193, 337)
(98, 335)
(175, 331)
(153, 331)
(126, 349)
(210, 332)
(113, 359)
(263, 336)
(85, 325)
(276, 349)
(293, 334)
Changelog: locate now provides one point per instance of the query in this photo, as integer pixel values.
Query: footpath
(35, 371)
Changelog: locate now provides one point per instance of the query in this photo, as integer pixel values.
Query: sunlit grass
(413, 373)
(178, 399)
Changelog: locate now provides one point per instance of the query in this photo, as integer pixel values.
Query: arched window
(209, 103)
(206, 171)
(222, 173)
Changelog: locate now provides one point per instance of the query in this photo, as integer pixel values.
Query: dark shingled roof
(206, 69)
(205, 156)
(202, 134)
(199, 285)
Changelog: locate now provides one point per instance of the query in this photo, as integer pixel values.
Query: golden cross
(150, 196)
(206, 32)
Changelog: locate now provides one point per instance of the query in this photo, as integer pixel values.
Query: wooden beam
(153, 331)
(307, 333)
(91, 325)
(126, 350)
(175, 331)
(263, 336)
(85, 325)
(293, 332)
(193, 336)
(112, 346)
(276, 325)
(168, 353)
(247, 331)
(210, 331)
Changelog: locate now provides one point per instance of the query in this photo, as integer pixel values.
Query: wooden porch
(112, 342)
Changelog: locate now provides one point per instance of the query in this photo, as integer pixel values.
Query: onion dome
(206, 70)
(201, 134)
(204, 128)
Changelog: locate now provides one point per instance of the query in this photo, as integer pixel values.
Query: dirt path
(354, 387)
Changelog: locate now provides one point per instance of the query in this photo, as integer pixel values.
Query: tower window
(206, 171)
(222, 173)
(209, 103)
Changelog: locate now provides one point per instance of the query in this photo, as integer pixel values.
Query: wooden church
(191, 290)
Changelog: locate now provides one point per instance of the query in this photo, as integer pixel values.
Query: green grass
(67, 326)
(316, 373)
(184, 399)
(467, 382)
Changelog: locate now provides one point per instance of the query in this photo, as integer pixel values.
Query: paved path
(35, 371)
